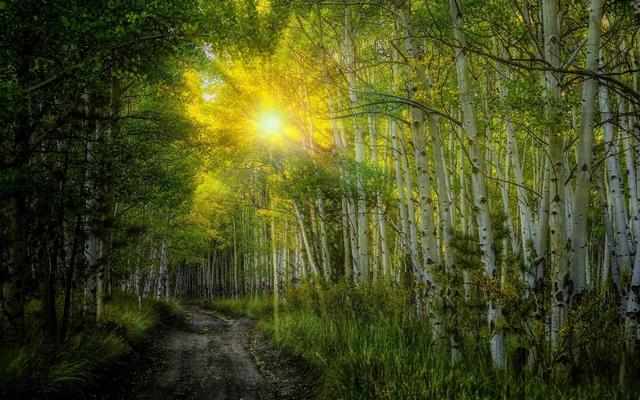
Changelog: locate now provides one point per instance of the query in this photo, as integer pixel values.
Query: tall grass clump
(38, 369)
(368, 344)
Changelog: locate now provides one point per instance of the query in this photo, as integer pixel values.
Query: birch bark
(324, 246)
(397, 155)
(626, 126)
(485, 226)
(562, 282)
(362, 225)
(305, 240)
(379, 207)
(616, 194)
(585, 149)
(445, 202)
(417, 86)
(411, 213)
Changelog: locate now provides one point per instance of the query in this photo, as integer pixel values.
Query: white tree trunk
(481, 200)
(274, 263)
(417, 84)
(526, 220)
(379, 208)
(339, 139)
(305, 241)
(411, 213)
(430, 254)
(348, 265)
(632, 188)
(445, 202)
(353, 238)
(557, 221)
(585, 150)
(541, 239)
(610, 267)
(506, 207)
(616, 193)
(397, 155)
(362, 224)
(324, 246)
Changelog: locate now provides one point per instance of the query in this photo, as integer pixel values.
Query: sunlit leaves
(209, 200)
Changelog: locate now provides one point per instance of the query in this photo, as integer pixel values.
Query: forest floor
(211, 356)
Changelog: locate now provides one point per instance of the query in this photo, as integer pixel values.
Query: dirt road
(209, 358)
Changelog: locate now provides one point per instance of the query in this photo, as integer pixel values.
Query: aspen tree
(362, 223)
(445, 198)
(416, 84)
(616, 194)
(379, 207)
(585, 148)
(562, 280)
(480, 196)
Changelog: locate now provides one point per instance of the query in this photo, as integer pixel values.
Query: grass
(368, 346)
(252, 307)
(77, 365)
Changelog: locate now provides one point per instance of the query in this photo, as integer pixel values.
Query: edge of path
(288, 376)
(119, 379)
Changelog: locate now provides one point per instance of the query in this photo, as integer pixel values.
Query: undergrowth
(38, 370)
(253, 307)
(368, 345)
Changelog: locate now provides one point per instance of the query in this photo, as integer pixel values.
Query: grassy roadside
(367, 346)
(89, 356)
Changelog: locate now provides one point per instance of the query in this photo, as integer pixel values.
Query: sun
(270, 123)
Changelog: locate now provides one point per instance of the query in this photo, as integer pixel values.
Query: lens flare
(270, 123)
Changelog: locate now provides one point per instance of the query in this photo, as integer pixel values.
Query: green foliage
(306, 178)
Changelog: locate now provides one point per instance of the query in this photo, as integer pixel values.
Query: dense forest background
(426, 199)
